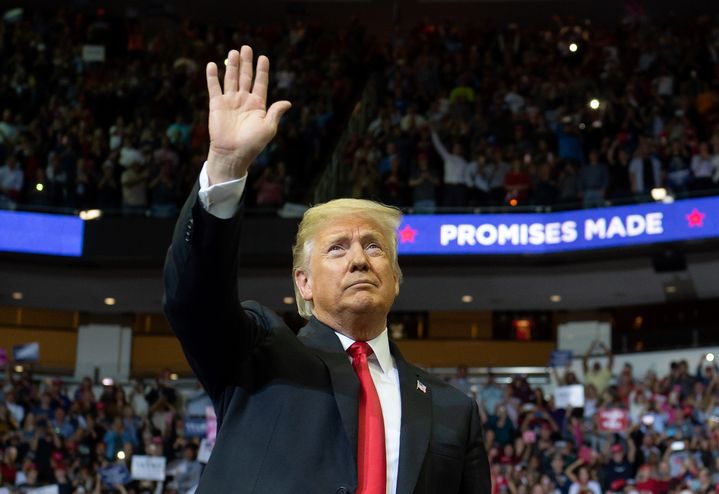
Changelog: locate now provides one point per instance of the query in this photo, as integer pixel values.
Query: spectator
(424, 183)
(134, 188)
(598, 375)
(11, 181)
(163, 192)
(703, 169)
(593, 181)
(645, 171)
(677, 165)
(455, 169)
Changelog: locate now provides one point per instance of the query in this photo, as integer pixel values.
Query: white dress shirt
(222, 200)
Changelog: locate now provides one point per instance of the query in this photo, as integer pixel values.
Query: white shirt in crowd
(454, 166)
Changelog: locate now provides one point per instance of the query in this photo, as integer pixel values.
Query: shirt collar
(379, 346)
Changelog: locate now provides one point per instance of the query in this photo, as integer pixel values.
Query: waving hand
(240, 123)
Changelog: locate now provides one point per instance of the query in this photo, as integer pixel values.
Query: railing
(334, 181)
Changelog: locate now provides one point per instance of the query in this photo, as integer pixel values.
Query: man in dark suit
(335, 409)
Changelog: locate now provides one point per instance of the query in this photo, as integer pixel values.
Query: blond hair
(317, 217)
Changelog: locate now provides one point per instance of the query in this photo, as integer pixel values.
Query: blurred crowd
(53, 434)
(651, 434)
(571, 114)
(111, 112)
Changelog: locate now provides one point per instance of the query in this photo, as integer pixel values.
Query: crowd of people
(108, 112)
(665, 441)
(573, 114)
(469, 115)
(651, 434)
(76, 438)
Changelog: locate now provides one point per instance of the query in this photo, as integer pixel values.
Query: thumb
(278, 108)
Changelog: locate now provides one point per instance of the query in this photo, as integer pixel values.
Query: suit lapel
(345, 384)
(416, 426)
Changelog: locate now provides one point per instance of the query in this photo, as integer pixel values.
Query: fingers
(262, 77)
(232, 71)
(245, 69)
(213, 83)
(278, 108)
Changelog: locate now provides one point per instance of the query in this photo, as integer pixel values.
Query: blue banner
(566, 231)
(560, 358)
(38, 233)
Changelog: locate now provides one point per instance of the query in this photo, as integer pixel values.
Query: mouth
(361, 284)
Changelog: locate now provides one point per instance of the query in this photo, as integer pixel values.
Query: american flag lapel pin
(421, 386)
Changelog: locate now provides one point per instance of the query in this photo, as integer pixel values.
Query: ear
(396, 286)
(304, 284)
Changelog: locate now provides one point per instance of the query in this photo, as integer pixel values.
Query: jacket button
(342, 490)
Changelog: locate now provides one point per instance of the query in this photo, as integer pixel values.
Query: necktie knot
(359, 349)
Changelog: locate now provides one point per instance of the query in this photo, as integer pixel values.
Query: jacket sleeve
(475, 473)
(201, 300)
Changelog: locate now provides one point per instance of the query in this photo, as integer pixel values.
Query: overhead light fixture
(555, 298)
(17, 295)
(108, 381)
(594, 104)
(19, 369)
(120, 455)
(288, 300)
(670, 289)
(173, 376)
(467, 299)
(573, 47)
(39, 187)
(110, 301)
(709, 357)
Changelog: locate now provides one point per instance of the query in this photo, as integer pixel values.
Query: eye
(374, 247)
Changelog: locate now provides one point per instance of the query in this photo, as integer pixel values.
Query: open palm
(240, 124)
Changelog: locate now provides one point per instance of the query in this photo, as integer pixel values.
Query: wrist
(223, 166)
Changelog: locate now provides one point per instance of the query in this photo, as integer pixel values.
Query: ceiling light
(110, 301)
(555, 298)
(288, 300)
(467, 299)
(573, 47)
(670, 289)
(173, 376)
(108, 381)
(594, 104)
(19, 369)
(17, 295)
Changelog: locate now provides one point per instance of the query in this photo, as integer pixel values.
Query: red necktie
(371, 455)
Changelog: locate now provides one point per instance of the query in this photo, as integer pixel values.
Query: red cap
(617, 448)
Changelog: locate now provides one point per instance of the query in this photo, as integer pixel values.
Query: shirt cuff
(220, 200)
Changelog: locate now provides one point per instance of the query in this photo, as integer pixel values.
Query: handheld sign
(148, 467)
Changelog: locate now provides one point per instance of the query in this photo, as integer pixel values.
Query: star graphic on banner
(407, 234)
(695, 218)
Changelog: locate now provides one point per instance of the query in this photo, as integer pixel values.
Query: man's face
(350, 271)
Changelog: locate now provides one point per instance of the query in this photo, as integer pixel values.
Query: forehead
(348, 227)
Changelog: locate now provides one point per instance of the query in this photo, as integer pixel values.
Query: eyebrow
(332, 238)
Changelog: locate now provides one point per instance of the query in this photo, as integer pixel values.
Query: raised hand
(240, 124)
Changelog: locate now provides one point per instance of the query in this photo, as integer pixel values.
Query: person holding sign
(335, 408)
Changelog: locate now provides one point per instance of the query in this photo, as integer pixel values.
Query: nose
(358, 258)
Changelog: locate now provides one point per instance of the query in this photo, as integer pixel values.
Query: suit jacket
(286, 404)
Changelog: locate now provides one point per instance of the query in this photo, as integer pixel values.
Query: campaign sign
(46, 489)
(28, 352)
(195, 427)
(203, 454)
(569, 396)
(560, 358)
(148, 467)
(564, 231)
(613, 419)
(211, 423)
(115, 475)
(38, 233)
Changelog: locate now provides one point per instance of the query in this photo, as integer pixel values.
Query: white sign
(203, 455)
(48, 489)
(569, 396)
(148, 467)
(93, 53)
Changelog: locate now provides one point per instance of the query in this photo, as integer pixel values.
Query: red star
(695, 218)
(407, 234)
